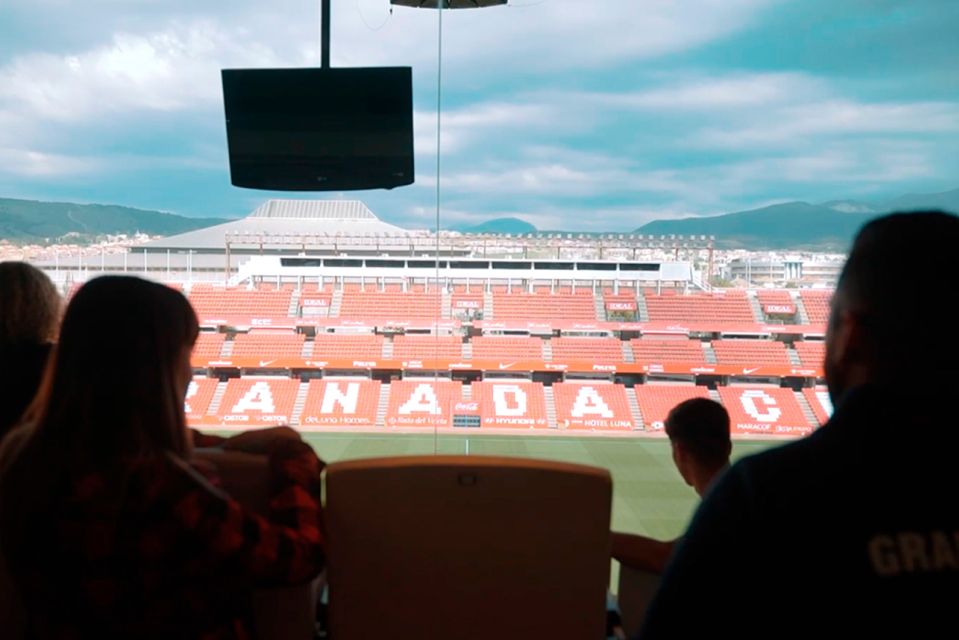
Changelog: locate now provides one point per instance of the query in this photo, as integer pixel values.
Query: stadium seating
(811, 353)
(750, 352)
(250, 402)
(668, 350)
(422, 403)
(389, 305)
(351, 346)
(764, 410)
(511, 404)
(210, 301)
(505, 348)
(776, 302)
(341, 402)
(729, 307)
(544, 306)
(198, 397)
(315, 304)
(268, 345)
(820, 402)
(463, 303)
(208, 345)
(422, 347)
(816, 303)
(657, 400)
(592, 349)
(592, 405)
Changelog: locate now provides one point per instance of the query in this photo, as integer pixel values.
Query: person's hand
(259, 441)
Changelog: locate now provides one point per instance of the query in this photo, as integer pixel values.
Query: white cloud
(735, 91)
(26, 163)
(174, 69)
(803, 123)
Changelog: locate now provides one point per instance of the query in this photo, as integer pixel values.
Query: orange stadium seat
(424, 347)
(592, 349)
(511, 404)
(750, 352)
(764, 410)
(811, 353)
(657, 400)
(198, 397)
(660, 350)
(500, 348)
(250, 402)
(592, 405)
(820, 402)
(351, 346)
(544, 306)
(341, 403)
(209, 301)
(208, 345)
(816, 303)
(728, 307)
(390, 305)
(268, 345)
(422, 403)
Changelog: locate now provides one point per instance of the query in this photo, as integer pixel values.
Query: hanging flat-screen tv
(319, 129)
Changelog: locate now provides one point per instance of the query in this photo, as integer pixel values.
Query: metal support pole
(325, 34)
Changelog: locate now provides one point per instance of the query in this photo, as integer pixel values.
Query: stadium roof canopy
(285, 217)
(448, 4)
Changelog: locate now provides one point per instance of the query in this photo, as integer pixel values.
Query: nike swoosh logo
(506, 366)
(746, 372)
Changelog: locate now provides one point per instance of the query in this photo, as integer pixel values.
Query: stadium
(375, 340)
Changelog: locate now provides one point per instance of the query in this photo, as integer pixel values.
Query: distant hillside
(500, 225)
(33, 221)
(799, 225)
(946, 200)
(791, 225)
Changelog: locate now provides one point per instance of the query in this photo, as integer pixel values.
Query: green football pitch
(649, 496)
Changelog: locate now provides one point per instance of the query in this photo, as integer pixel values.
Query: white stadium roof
(286, 217)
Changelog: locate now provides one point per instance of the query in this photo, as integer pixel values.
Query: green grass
(649, 496)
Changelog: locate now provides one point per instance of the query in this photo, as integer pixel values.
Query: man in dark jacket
(854, 530)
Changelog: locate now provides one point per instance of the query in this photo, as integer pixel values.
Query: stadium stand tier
(199, 395)
(750, 352)
(820, 403)
(497, 347)
(816, 304)
(679, 349)
(729, 307)
(811, 353)
(655, 401)
(208, 345)
(592, 406)
(389, 304)
(422, 403)
(510, 404)
(764, 410)
(544, 306)
(218, 301)
(427, 346)
(595, 349)
(257, 402)
(341, 402)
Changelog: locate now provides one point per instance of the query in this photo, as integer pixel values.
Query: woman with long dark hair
(105, 527)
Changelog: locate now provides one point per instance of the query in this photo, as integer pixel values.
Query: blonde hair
(29, 305)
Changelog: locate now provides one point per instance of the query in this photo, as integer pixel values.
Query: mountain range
(34, 221)
(828, 226)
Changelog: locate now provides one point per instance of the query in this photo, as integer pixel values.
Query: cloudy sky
(574, 114)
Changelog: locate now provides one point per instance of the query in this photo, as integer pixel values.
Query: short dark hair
(701, 426)
(900, 269)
